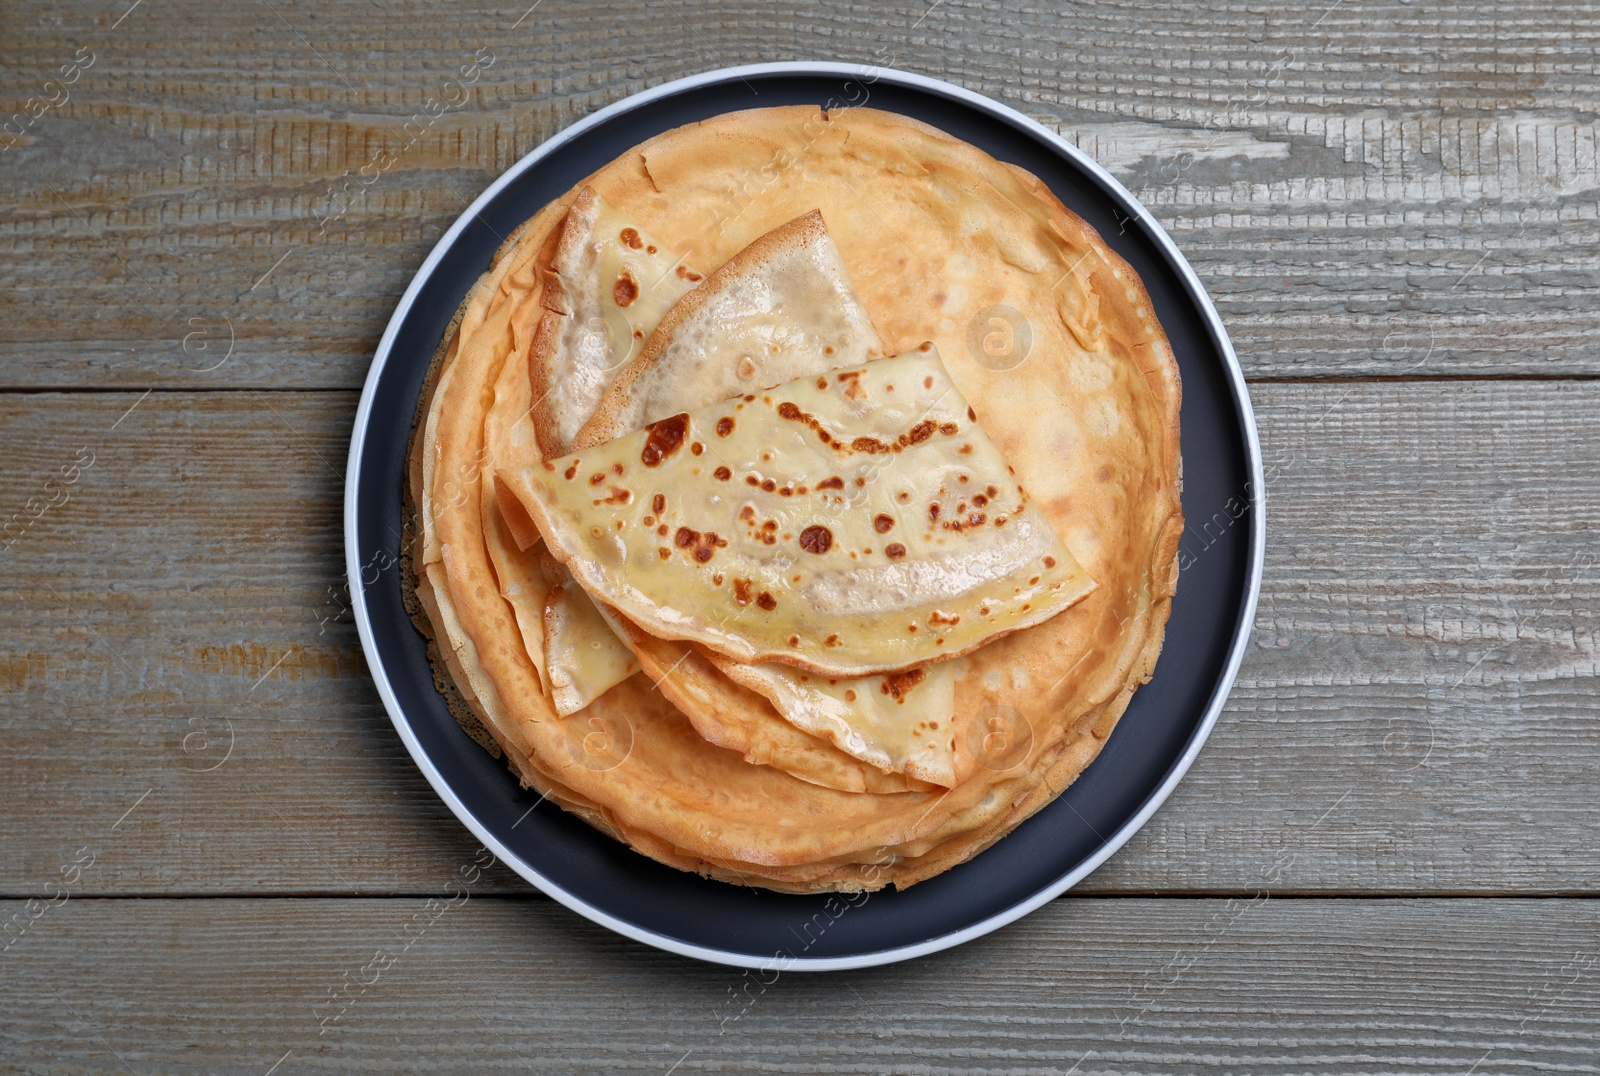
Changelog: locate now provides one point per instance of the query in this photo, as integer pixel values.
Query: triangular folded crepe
(736, 718)
(779, 309)
(585, 659)
(849, 524)
(724, 713)
(901, 722)
(608, 285)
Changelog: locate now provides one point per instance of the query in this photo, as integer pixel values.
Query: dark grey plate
(1156, 739)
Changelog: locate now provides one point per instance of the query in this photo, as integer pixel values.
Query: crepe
(902, 722)
(583, 657)
(568, 761)
(607, 286)
(851, 524)
(940, 238)
(782, 307)
(745, 720)
(446, 484)
(510, 536)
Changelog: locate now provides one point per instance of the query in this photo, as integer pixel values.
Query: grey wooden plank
(179, 627)
(1416, 713)
(1388, 189)
(1096, 986)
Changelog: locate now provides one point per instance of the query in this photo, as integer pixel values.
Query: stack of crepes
(796, 500)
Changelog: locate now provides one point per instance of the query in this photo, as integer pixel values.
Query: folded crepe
(780, 308)
(583, 656)
(608, 285)
(848, 524)
(883, 545)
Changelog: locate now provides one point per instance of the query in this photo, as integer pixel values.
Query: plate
(1158, 737)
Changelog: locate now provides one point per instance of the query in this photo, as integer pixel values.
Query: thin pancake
(1092, 431)
(511, 535)
(585, 659)
(850, 524)
(780, 308)
(606, 288)
(647, 768)
(742, 721)
(900, 722)
(859, 715)
(628, 732)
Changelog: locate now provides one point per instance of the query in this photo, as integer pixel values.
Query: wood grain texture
(1416, 713)
(1373, 189)
(1094, 986)
(1369, 190)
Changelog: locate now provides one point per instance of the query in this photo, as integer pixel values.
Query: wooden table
(1386, 859)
